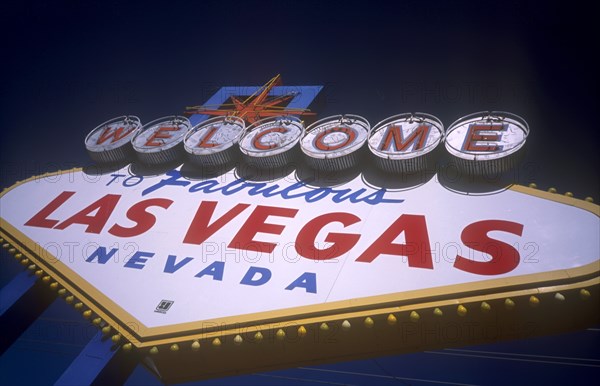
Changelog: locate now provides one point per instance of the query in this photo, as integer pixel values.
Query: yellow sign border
(141, 336)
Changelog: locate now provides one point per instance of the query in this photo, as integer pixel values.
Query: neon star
(254, 107)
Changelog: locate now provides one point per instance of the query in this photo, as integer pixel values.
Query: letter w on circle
(115, 134)
(201, 229)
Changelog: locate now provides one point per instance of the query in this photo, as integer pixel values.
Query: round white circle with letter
(269, 142)
(157, 142)
(212, 142)
(271, 136)
(332, 143)
(110, 142)
(406, 136)
(213, 135)
(486, 136)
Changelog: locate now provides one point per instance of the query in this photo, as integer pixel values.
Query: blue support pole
(22, 301)
(99, 363)
(13, 291)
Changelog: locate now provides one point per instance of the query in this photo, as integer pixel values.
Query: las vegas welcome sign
(277, 244)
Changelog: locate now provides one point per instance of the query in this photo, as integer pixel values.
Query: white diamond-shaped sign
(166, 254)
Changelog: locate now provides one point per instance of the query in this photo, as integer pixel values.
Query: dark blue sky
(69, 65)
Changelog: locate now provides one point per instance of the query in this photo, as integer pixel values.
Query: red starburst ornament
(257, 106)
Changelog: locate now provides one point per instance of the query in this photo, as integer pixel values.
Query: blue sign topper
(282, 100)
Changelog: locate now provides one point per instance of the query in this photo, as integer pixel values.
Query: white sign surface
(195, 243)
